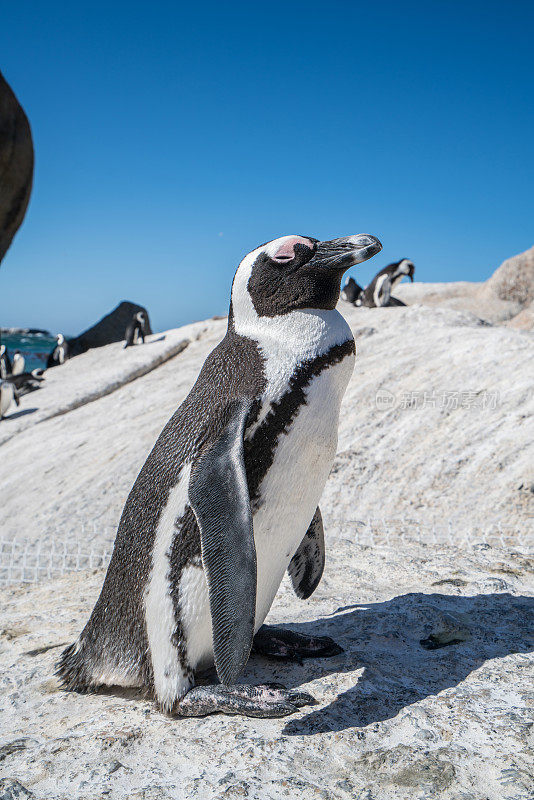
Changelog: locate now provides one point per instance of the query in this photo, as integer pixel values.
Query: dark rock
(446, 631)
(110, 329)
(16, 165)
(12, 747)
(11, 789)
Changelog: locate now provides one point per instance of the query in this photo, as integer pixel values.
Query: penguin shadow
(153, 341)
(18, 414)
(403, 656)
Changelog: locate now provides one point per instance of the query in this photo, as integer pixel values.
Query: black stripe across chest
(260, 448)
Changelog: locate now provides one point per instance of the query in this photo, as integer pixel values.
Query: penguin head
(405, 267)
(296, 272)
(140, 317)
(2, 349)
(60, 338)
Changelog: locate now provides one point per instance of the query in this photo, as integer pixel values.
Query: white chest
(292, 487)
(6, 398)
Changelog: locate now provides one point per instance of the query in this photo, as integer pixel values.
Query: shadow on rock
(410, 647)
(154, 341)
(18, 414)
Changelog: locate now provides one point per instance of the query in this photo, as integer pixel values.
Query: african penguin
(8, 394)
(27, 381)
(351, 291)
(60, 353)
(228, 498)
(135, 330)
(378, 292)
(5, 362)
(18, 363)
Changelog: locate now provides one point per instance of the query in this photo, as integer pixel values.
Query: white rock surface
(94, 374)
(502, 297)
(394, 719)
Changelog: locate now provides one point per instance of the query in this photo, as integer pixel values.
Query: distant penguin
(19, 362)
(27, 382)
(351, 291)
(8, 394)
(135, 330)
(5, 362)
(227, 500)
(60, 353)
(379, 291)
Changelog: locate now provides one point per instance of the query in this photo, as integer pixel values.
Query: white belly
(6, 398)
(289, 495)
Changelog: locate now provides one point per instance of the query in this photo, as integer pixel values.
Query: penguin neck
(288, 340)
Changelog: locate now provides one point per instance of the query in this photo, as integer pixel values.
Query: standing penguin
(228, 498)
(19, 362)
(5, 362)
(135, 330)
(60, 353)
(8, 394)
(351, 291)
(378, 292)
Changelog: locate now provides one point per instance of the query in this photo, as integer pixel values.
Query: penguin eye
(292, 248)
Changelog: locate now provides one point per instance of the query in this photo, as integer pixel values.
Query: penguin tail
(72, 670)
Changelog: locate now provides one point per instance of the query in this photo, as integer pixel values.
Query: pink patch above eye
(286, 251)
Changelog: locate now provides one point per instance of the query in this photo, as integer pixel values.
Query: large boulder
(524, 321)
(110, 329)
(514, 279)
(16, 165)
(501, 298)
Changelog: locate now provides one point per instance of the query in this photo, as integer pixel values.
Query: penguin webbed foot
(394, 301)
(265, 700)
(275, 642)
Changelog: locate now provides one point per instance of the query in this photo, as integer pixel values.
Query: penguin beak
(340, 254)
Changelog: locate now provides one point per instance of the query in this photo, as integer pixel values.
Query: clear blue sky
(172, 138)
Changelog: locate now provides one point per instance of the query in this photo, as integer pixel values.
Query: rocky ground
(428, 585)
(430, 698)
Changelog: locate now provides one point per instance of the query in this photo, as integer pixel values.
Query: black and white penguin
(228, 498)
(5, 362)
(27, 382)
(60, 353)
(379, 291)
(135, 330)
(8, 394)
(19, 362)
(351, 291)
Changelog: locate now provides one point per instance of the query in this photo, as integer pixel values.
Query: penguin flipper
(219, 497)
(307, 565)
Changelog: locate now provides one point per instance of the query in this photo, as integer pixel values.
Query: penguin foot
(277, 642)
(266, 700)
